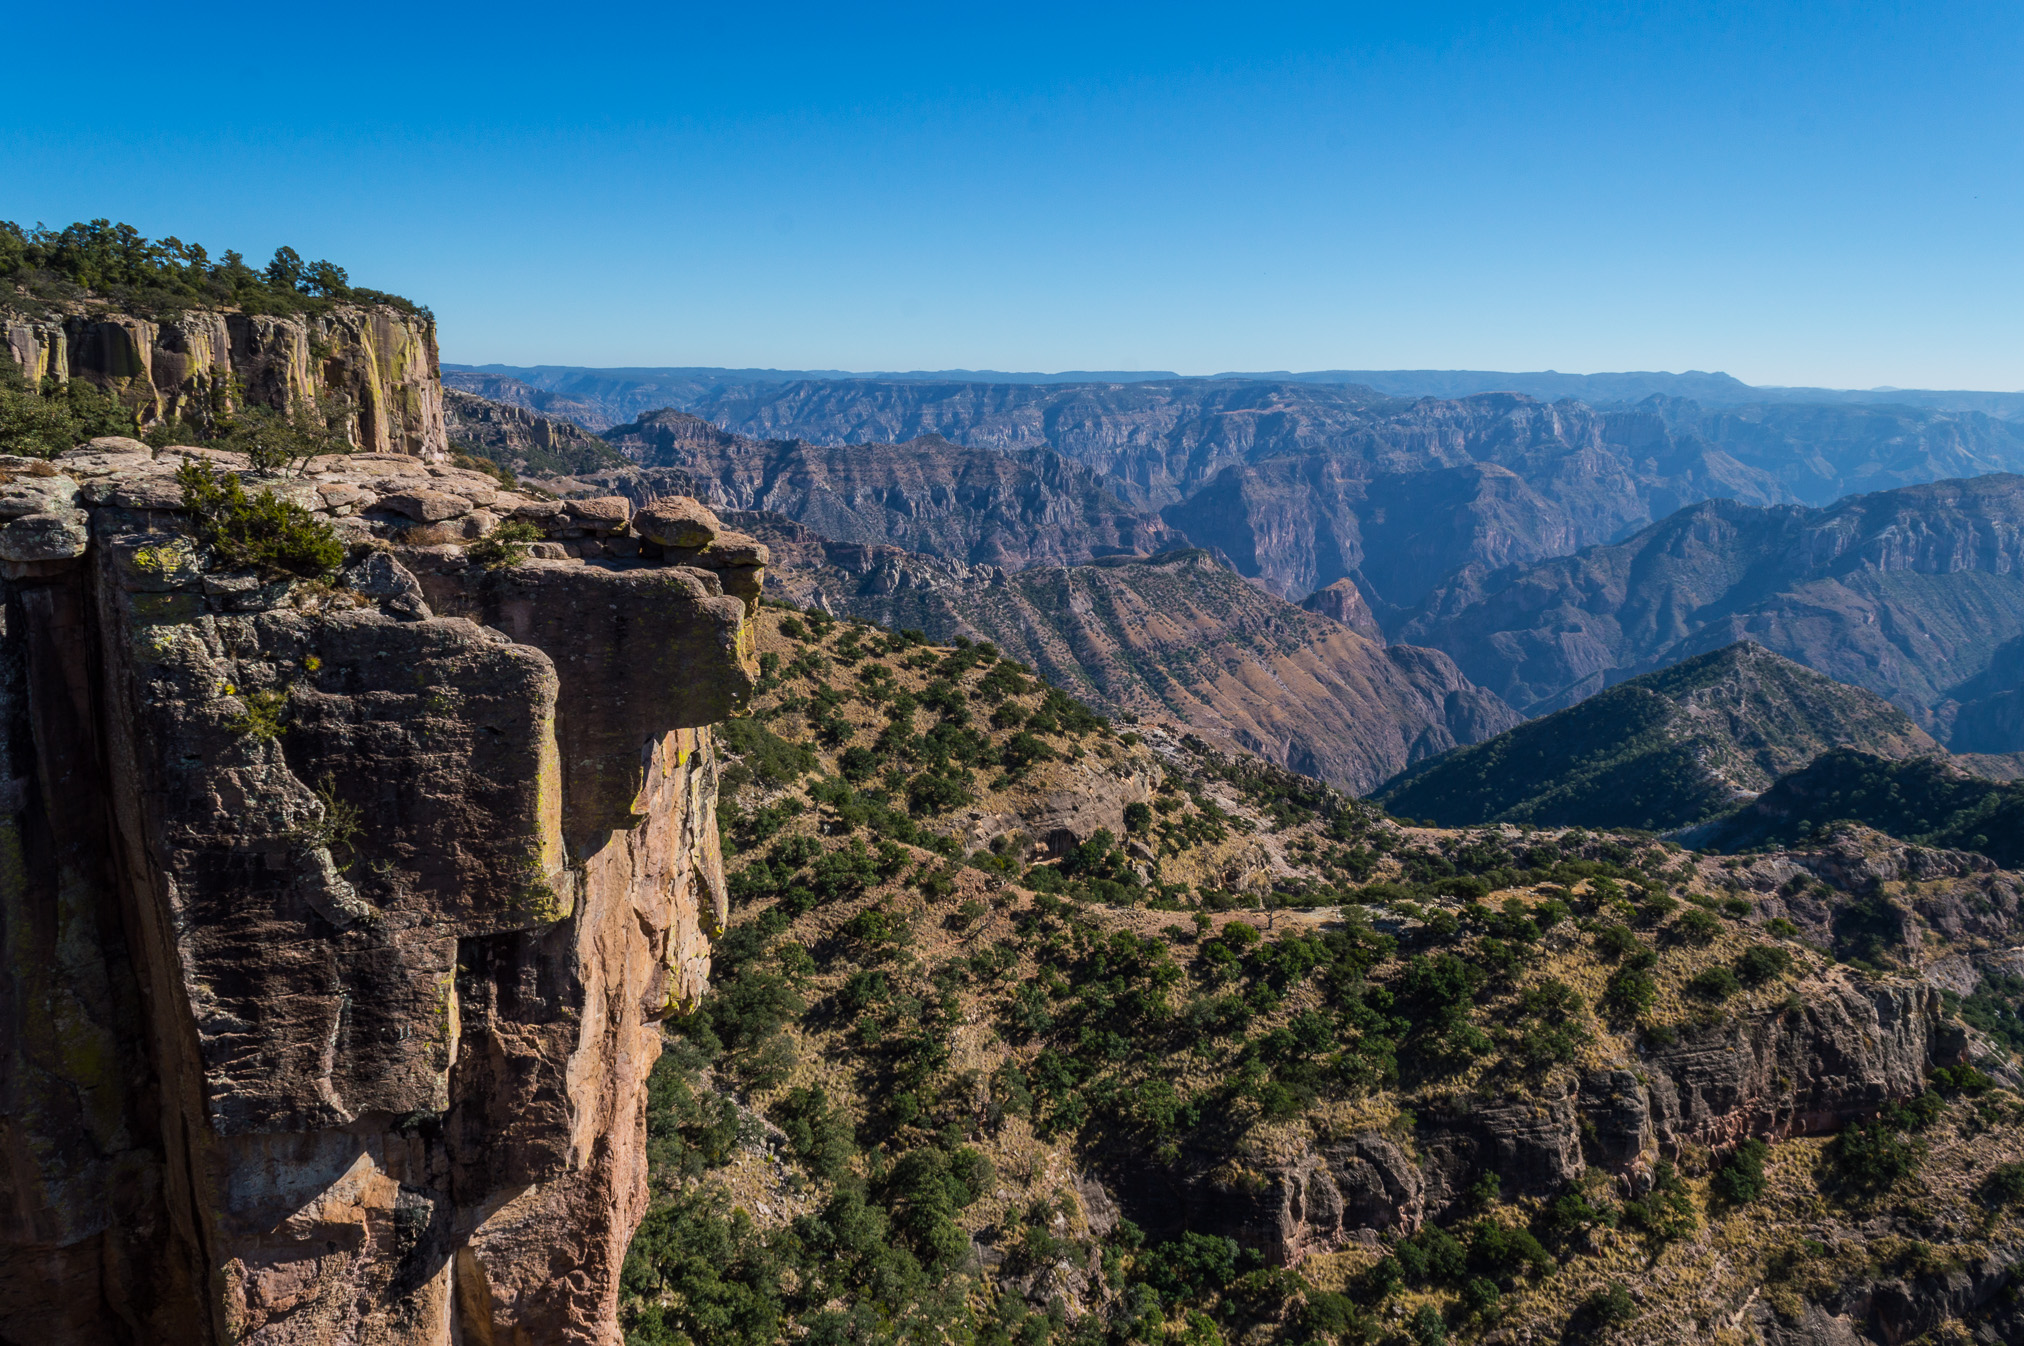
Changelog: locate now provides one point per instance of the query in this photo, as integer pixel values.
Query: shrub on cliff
(1667, 1211)
(1763, 963)
(1876, 1155)
(1741, 1178)
(263, 532)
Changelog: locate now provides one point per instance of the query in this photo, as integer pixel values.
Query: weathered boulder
(424, 505)
(678, 521)
(599, 514)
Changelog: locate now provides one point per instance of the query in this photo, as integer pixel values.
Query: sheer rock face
(378, 361)
(338, 925)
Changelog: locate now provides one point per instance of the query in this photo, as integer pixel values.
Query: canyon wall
(339, 913)
(379, 363)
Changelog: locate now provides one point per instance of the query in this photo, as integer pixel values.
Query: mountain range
(1173, 637)
(1662, 751)
(1460, 526)
(1914, 594)
(597, 385)
(1304, 484)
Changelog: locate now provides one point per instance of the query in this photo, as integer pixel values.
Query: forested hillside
(1033, 1028)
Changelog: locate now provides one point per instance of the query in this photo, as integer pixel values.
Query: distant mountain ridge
(1023, 508)
(1547, 385)
(1302, 485)
(1922, 799)
(1916, 594)
(1175, 637)
(1662, 751)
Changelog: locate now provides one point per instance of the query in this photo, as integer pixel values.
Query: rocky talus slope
(1030, 1028)
(378, 363)
(353, 857)
(1176, 637)
(1916, 594)
(1662, 751)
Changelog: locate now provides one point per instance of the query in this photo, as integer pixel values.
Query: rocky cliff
(375, 362)
(522, 440)
(342, 902)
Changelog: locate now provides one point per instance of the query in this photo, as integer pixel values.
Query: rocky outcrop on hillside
(344, 905)
(1172, 637)
(1343, 602)
(378, 363)
(1912, 594)
(1851, 1047)
(1012, 510)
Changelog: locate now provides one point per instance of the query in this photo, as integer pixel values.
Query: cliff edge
(340, 909)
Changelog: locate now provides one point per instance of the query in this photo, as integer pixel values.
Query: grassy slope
(879, 1123)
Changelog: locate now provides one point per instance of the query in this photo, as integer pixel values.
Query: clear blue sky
(1796, 193)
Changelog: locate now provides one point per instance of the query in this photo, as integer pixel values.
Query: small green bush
(1763, 963)
(1714, 983)
(506, 545)
(1614, 941)
(1741, 1178)
(2004, 1185)
(265, 532)
(1700, 926)
(262, 717)
(1611, 1307)
(1876, 1155)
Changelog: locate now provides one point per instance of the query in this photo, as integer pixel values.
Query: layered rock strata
(339, 914)
(1844, 1050)
(378, 363)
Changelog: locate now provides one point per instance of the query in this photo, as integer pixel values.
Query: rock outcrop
(379, 363)
(976, 506)
(525, 440)
(1844, 1050)
(340, 913)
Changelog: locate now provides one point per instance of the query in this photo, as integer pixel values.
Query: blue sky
(1796, 193)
